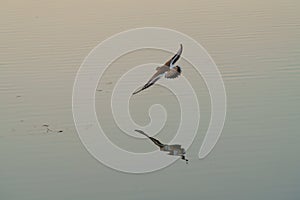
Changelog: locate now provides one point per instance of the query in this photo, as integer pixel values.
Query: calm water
(254, 43)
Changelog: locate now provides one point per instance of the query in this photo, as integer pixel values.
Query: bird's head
(178, 69)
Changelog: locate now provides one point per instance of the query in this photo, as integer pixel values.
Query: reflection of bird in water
(174, 149)
(168, 70)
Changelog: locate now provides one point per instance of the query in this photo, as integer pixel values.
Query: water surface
(254, 43)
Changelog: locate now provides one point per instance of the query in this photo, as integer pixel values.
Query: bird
(168, 70)
(174, 149)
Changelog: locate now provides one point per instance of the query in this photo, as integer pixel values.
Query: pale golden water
(254, 43)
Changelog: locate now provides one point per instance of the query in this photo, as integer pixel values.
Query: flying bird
(168, 70)
(174, 149)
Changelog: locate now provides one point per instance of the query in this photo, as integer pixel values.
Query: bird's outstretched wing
(174, 59)
(155, 141)
(154, 78)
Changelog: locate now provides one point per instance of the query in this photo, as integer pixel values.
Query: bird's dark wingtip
(134, 93)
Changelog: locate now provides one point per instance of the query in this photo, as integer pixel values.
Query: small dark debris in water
(47, 128)
(109, 83)
(21, 120)
(18, 96)
(51, 130)
(99, 90)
